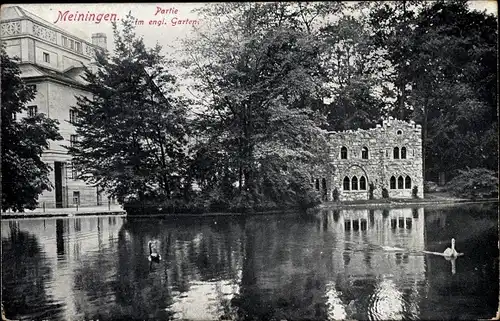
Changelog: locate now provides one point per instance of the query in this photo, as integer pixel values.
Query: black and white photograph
(247, 161)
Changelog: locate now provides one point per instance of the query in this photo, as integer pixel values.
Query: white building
(51, 60)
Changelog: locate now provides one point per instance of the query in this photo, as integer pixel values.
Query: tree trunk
(240, 177)
(424, 139)
(401, 106)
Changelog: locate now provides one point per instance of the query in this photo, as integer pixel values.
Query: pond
(334, 264)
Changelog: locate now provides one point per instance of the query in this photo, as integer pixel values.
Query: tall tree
(24, 174)
(352, 75)
(454, 89)
(391, 26)
(132, 131)
(258, 66)
(442, 73)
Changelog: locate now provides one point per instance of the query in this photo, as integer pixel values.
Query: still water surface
(332, 265)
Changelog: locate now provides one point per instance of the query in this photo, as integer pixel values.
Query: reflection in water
(25, 274)
(60, 237)
(386, 301)
(354, 264)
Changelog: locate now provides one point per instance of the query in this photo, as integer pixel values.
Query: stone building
(51, 59)
(373, 163)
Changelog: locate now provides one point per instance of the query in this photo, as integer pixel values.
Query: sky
(167, 35)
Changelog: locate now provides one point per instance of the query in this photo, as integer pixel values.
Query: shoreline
(325, 206)
(405, 203)
(7, 216)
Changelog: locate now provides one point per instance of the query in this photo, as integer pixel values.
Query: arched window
(343, 153)
(403, 152)
(393, 182)
(317, 184)
(323, 185)
(364, 153)
(396, 153)
(362, 183)
(354, 183)
(399, 132)
(400, 182)
(346, 183)
(407, 182)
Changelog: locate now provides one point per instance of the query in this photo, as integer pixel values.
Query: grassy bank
(430, 199)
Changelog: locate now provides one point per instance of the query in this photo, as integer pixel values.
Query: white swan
(153, 252)
(449, 252)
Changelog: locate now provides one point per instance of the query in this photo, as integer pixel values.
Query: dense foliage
(24, 174)
(474, 183)
(270, 79)
(132, 131)
(442, 73)
(258, 72)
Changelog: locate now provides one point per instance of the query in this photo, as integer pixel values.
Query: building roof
(18, 13)
(71, 76)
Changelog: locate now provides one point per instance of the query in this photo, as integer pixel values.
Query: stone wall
(360, 158)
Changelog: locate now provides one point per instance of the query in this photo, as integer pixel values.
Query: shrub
(309, 199)
(474, 183)
(299, 192)
(372, 188)
(430, 187)
(243, 203)
(162, 206)
(385, 193)
(335, 195)
(414, 191)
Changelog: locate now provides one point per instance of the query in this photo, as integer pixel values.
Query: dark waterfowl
(154, 256)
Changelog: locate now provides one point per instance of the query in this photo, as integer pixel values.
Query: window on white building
(64, 41)
(74, 171)
(76, 197)
(46, 57)
(78, 47)
(72, 140)
(32, 111)
(72, 115)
